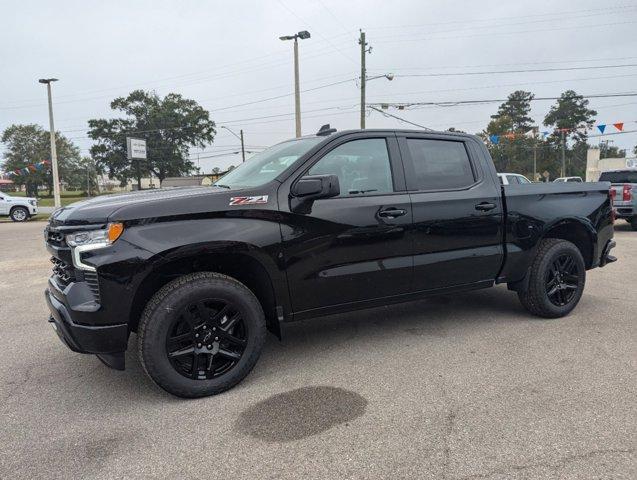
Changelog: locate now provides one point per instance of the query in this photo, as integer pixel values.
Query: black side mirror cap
(313, 187)
(310, 188)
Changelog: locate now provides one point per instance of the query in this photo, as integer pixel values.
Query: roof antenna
(325, 130)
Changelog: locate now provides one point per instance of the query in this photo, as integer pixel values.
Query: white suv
(512, 179)
(19, 209)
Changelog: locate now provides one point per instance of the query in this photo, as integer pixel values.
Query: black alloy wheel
(201, 334)
(207, 339)
(555, 280)
(562, 280)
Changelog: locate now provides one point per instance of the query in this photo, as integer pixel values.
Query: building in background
(595, 166)
(193, 180)
(7, 185)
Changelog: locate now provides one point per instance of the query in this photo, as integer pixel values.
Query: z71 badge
(248, 200)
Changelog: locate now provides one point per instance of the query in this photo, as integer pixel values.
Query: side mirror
(313, 187)
(310, 188)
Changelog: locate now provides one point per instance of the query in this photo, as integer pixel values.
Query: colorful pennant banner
(35, 167)
(533, 133)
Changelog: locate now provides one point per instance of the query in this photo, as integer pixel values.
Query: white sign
(136, 147)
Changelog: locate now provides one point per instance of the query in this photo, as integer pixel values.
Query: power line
(491, 34)
(469, 102)
(401, 119)
(543, 82)
(561, 14)
(282, 96)
(551, 62)
(564, 69)
(554, 18)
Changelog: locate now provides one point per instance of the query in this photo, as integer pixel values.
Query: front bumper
(107, 341)
(33, 210)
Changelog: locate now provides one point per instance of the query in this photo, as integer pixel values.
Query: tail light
(628, 193)
(612, 193)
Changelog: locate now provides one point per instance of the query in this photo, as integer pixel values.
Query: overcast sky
(226, 54)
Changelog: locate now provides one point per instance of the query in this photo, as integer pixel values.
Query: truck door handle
(485, 206)
(392, 212)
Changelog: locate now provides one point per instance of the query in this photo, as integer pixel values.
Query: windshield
(267, 165)
(627, 176)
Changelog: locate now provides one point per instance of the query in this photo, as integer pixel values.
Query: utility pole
(364, 50)
(534, 162)
(563, 172)
(535, 140)
(54, 158)
(243, 150)
(297, 89)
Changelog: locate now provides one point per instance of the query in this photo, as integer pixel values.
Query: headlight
(32, 202)
(98, 238)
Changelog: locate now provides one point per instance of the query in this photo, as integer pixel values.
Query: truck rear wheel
(201, 334)
(557, 278)
(633, 223)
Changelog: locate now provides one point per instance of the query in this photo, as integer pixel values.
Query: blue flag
(495, 139)
(601, 128)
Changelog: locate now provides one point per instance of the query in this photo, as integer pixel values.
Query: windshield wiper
(222, 186)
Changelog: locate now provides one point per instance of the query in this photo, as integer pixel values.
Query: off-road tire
(633, 223)
(535, 298)
(159, 314)
(19, 214)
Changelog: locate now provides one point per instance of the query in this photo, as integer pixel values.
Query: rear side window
(627, 176)
(440, 164)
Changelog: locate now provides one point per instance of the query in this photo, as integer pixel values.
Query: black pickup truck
(317, 225)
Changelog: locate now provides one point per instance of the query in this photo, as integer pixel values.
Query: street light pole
(243, 150)
(240, 137)
(54, 159)
(363, 45)
(297, 89)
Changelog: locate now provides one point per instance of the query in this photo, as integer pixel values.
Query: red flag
(31, 167)
(619, 126)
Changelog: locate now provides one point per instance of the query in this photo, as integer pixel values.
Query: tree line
(567, 121)
(173, 124)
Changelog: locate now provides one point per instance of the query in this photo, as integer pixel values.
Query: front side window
(513, 180)
(362, 167)
(522, 179)
(267, 165)
(440, 164)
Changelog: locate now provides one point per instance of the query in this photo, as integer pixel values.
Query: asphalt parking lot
(464, 387)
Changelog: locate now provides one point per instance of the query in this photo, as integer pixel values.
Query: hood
(136, 204)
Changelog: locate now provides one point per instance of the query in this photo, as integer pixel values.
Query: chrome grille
(91, 279)
(62, 271)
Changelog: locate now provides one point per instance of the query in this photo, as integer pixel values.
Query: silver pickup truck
(624, 193)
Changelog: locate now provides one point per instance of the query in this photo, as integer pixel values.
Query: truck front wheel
(201, 334)
(19, 214)
(557, 278)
